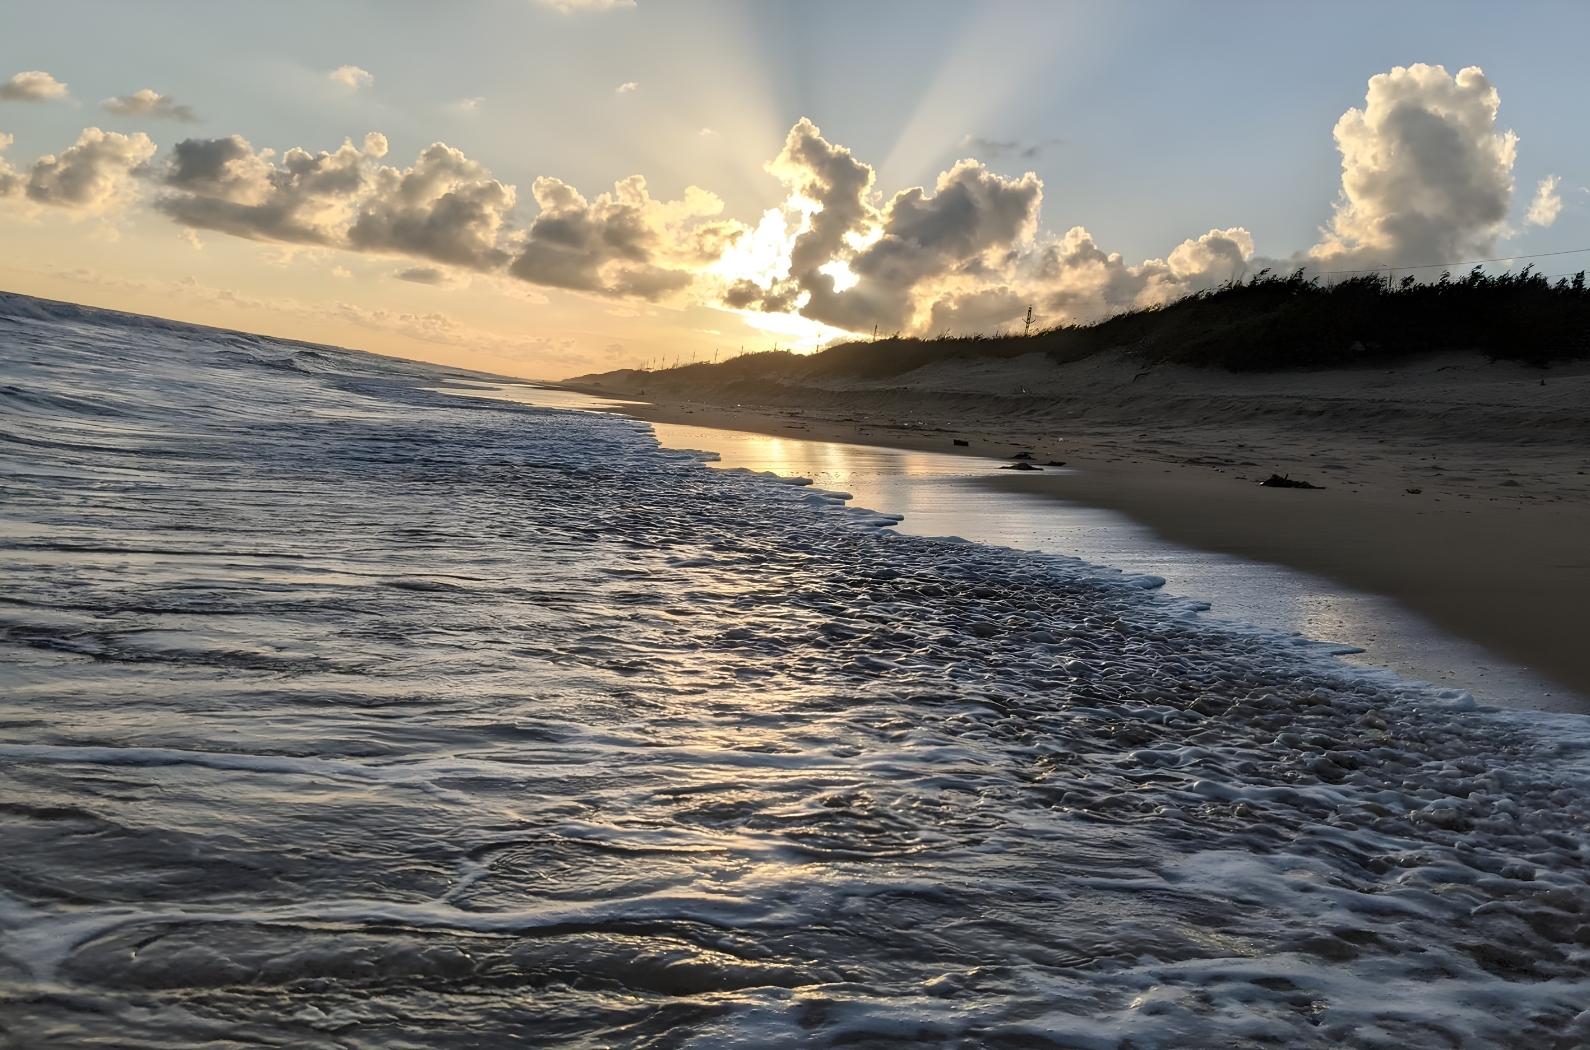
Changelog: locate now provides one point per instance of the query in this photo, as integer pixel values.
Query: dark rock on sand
(1276, 481)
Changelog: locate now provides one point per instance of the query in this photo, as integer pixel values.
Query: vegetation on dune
(1268, 323)
(1272, 323)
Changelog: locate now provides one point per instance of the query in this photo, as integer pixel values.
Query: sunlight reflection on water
(934, 493)
(339, 713)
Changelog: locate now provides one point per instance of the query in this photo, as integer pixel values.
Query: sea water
(340, 710)
(942, 495)
(939, 494)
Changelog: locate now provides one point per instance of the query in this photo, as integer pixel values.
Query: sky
(544, 188)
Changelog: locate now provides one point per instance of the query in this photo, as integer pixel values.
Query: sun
(799, 334)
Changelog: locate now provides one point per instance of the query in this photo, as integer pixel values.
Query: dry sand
(1494, 546)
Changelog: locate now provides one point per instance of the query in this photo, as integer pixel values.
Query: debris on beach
(1277, 481)
(1413, 492)
(958, 441)
(1055, 463)
(1020, 466)
(1022, 455)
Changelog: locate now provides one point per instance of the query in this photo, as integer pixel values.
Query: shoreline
(1503, 566)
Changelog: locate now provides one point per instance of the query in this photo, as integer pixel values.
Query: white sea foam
(342, 711)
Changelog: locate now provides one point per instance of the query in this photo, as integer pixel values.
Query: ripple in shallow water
(344, 713)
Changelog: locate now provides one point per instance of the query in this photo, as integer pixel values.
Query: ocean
(344, 708)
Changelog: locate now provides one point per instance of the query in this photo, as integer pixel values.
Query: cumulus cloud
(1426, 175)
(223, 185)
(625, 243)
(445, 208)
(147, 103)
(32, 86)
(829, 188)
(11, 182)
(352, 76)
(95, 174)
(626, 88)
(1544, 208)
(959, 239)
(965, 257)
(1076, 274)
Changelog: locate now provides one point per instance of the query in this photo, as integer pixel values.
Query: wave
(344, 711)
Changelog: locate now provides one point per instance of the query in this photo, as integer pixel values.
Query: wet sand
(1494, 547)
(1507, 575)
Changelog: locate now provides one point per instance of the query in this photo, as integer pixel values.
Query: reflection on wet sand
(933, 493)
(929, 490)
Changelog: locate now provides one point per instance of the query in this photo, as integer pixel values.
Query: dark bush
(1268, 323)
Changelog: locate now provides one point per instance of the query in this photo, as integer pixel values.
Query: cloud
(147, 103)
(624, 243)
(352, 76)
(32, 86)
(445, 208)
(424, 275)
(955, 240)
(1426, 176)
(1074, 274)
(995, 149)
(829, 188)
(11, 181)
(1547, 204)
(223, 185)
(968, 256)
(707, 133)
(94, 174)
(626, 88)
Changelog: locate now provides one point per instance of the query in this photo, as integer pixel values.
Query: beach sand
(1494, 546)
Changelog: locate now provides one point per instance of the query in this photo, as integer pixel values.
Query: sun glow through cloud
(840, 272)
(798, 333)
(760, 255)
(657, 199)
